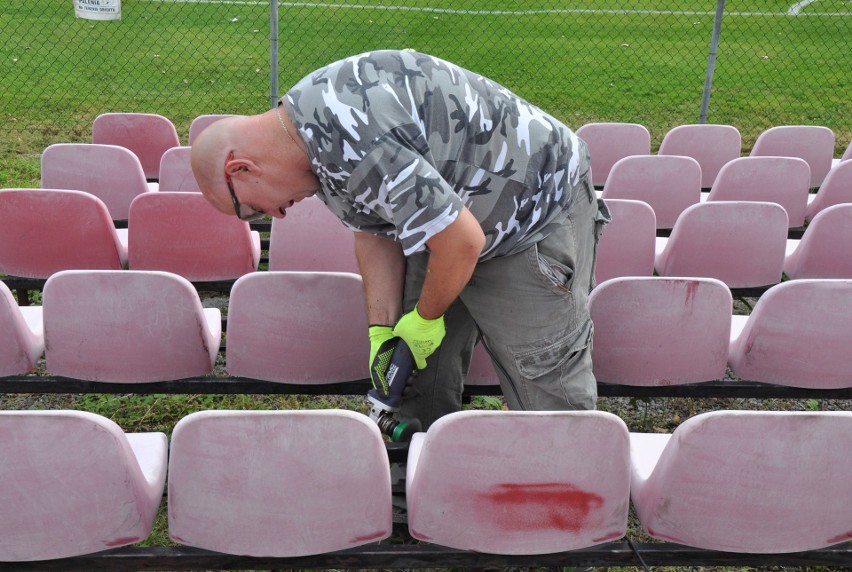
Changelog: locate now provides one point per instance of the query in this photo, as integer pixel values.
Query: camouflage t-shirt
(401, 141)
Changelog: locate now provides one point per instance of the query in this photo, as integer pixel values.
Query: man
(473, 213)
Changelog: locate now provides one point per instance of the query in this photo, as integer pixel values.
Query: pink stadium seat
(835, 189)
(73, 483)
(147, 135)
(626, 246)
(278, 483)
(609, 142)
(127, 326)
(655, 331)
(799, 334)
(311, 238)
(845, 157)
(519, 482)
(668, 183)
(111, 173)
(740, 243)
(21, 335)
(199, 123)
(746, 481)
(482, 370)
(298, 327)
(176, 172)
(182, 233)
(814, 144)
(825, 249)
(711, 145)
(43, 231)
(782, 180)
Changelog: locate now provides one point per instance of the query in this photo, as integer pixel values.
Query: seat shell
(813, 143)
(836, 189)
(609, 142)
(627, 244)
(176, 172)
(21, 335)
(147, 135)
(712, 145)
(824, 249)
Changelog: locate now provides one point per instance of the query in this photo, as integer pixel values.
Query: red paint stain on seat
(370, 537)
(122, 541)
(840, 538)
(562, 506)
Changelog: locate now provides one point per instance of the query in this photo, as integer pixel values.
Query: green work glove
(382, 344)
(422, 336)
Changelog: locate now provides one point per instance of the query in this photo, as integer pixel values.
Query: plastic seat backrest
(43, 231)
(609, 142)
(513, 482)
(73, 483)
(176, 172)
(21, 339)
(298, 327)
(835, 189)
(813, 143)
(799, 334)
(626, 247)
(825, 249)
(110, 172)
(147, 135)
(127, 326)
(278, 483)
(182, 233)
(711, 145)
(668, 183)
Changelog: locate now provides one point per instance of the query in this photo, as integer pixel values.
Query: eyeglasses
(243, 212)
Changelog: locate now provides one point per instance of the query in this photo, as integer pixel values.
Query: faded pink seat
(73, 483)
(747, 481)
(825, 249)
(111, 173)
(519, 482)
(43, 231)
(655, 331)
(845, 157)
(147, 135)
(782, 180)
(21, 334)
(711, 145)
(626, 247)
(298, 327)
(609, 142)
(278, 483)
(799, 334)
(182, 233)
(835, 189)
(669, 183)
(311, 238)
(740, 243)
(176, 172)
(200, 122)
(813, 143)
(127, 326)
(481, 370)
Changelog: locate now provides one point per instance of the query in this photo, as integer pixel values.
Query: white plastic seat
(73, 483)
(799, 334)
(669, 184)
(298, 327)
(825, 249)
(21, 334)
(609, 142)
(746, 481)
(110, 172)
(127, 326)
(176, 172)
(43, 231)
(147, 135)
(278, 483)
(183, 234)
(626, 247)
(835, 189)
(311, 238)
(656, 331)
(782, 180)
(813, 143)
(740, 243)
(711, 145)
(519, 482)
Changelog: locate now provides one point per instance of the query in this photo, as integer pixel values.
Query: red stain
(370, 537)
(540, 506)
(841, 538)
(691, 289)
(122, 541)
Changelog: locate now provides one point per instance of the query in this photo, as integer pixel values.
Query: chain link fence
(591, 60)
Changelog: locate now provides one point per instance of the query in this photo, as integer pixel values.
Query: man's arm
(382, 266)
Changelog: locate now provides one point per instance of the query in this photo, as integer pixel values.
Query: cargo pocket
(545, 356)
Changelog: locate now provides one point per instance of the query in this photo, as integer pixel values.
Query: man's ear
(239, 168)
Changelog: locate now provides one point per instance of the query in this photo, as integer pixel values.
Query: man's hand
(422, 336)
(382, 344)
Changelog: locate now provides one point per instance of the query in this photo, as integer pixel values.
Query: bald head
(209, 152)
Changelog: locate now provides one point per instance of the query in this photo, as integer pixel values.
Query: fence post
(273, 53)
(711, 60)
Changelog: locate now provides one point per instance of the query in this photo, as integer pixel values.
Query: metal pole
(273, 53)
(711, 60)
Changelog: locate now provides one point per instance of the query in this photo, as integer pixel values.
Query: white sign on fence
(98, 9)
